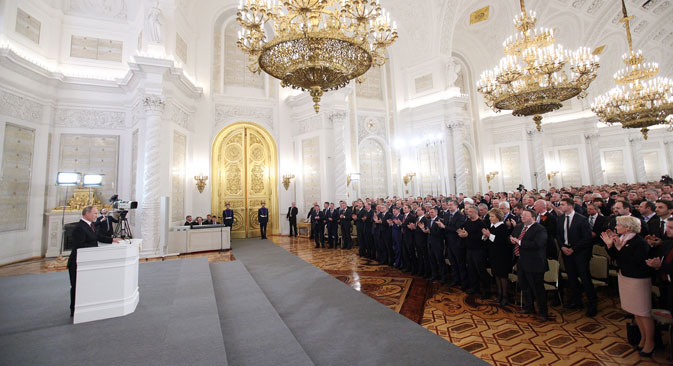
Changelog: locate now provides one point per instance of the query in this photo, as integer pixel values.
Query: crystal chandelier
(647, 101)
(317, 45)
(532, 78)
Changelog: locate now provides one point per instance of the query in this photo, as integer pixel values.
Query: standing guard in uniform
(345, 218)
(263, 218)
(228, 216)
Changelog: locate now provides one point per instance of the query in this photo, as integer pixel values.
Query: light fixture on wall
(490, 176)
(287, 178)
(201, 182)
(90, 181)
(551, 175)
(408, 178)
(66, 179)
(352, 177)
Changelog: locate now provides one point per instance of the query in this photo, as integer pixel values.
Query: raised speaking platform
(266, 308)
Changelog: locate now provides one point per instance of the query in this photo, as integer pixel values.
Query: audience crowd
(473, 242)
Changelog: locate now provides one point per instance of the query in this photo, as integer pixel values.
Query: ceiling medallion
(316, 45)
(532, 78)
(648, 99)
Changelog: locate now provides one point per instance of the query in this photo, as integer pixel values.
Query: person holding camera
(105, 222)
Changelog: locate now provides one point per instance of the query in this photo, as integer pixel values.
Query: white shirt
(87, 221)
(647, 218)
(570, 221)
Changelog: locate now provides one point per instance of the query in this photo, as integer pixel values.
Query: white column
(540, 170)
(594, 158)
(154, 106)
(638, 161)
(458, 133)
(668, 145)
(339, 120)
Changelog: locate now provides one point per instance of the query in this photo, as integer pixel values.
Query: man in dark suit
(345, 219)
(574, 236)
(530, 239)
(625, 208)
(292, 212)
(663, 210)
(188, 221)
(332, 226)
(549, 223)
(597, 222)
(434, 228)
(105, 223)
(456, 251)
(228, 216)
(263, 218)
(367, 231)
(408, 251)
(317, 226)
(84, 235)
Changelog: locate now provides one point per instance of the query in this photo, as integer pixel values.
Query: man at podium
(84, 235)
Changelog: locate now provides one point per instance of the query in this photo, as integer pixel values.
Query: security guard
(263, 218)
(228, 216)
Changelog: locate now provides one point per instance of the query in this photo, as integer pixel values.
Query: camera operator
(105, 222)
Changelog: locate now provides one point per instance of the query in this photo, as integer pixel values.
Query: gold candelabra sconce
(201, 182)
(408, 178)
(551, 175)
(287, 179)
(490, 176)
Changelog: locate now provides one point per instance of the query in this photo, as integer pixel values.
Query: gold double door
(244, 175)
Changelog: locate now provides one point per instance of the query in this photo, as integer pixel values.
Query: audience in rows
(456, 240)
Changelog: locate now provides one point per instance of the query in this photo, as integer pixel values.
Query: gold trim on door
(244, 174)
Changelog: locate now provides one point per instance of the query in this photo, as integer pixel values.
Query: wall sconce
(551, 175)
(489, 178)
(352, 177)
(200, 182)
(408, 178)
(286, 180)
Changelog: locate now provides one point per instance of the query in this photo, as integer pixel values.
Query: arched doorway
(244, 175)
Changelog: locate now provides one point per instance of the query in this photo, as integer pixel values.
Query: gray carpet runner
(335, 324)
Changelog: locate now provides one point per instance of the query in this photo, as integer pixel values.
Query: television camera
(123, 229)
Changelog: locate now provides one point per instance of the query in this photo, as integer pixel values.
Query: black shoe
(592, 312)
(464, 289)
(573, 306)
(471, 292)
(454, 283)
(317, 247)
(504, 302)
(646, 354)
(485, 296)
(526, 311)
(542, 318)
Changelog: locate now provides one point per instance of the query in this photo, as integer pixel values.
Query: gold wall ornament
(316, 45)
(641, 98)
(287, 178)
(598, 50)
(408, 178)
(244, 174)
(82, 197)
(479, 15)
(536, 76)
(551, 175)
(201, 182)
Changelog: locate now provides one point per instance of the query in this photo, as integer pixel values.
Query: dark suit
(318, 227)
(577, 264)
(292, 217)
(455, 249)
(549, 223)
(345, 224)
(332, 219)
(83, 236)
(408, 251)
(599, 226)
(367, 231)
(532, 265)
(106, 226)
(421, 245)
(612, 224)
(654, 227)
(263, 218)
(435, 247)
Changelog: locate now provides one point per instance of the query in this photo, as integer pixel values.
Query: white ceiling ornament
(110, 9)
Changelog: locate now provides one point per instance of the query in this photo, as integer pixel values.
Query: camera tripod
(123, 229)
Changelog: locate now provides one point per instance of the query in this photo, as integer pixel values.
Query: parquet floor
(497, 334)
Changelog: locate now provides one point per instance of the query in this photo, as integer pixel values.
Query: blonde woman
(635, 282)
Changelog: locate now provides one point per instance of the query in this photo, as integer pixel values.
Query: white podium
(107, 281)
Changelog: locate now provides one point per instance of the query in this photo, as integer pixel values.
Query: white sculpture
(154, 24)
(453, 72)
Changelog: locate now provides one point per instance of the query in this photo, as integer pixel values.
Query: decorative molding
(178, 116)
(566, 140)
(154, 103)
(20, 108)
(112, 9)
(368, 126)
(309, 124)
(226, 112)
(89, 118)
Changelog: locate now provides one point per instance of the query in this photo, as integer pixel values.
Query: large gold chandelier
(647, 101)
(532, 79)
(317, 45)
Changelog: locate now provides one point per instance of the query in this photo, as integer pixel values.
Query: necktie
(92, 227)
(661, 227)
(591, 222)
(567, 227)
(516, 247)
